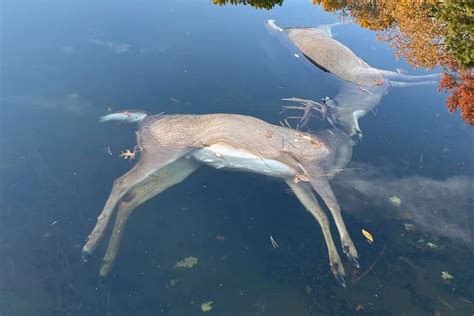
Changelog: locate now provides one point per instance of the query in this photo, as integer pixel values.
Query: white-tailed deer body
(174, 146)
(364, 85)
(353, 102)
(318, 46)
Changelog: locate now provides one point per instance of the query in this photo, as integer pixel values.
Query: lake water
(63, 65)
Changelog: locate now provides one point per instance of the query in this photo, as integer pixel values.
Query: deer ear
(330, 102)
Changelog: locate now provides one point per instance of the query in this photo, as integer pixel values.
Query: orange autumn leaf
(462, 94)
(368, 236)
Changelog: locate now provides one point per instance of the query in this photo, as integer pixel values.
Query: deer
(344, 109)
(173, 146)
(363, 86)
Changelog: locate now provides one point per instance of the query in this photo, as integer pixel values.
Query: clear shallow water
(62, 66)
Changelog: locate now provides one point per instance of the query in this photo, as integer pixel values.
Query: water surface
(65, 64)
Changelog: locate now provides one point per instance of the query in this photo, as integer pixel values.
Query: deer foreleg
(321, 186)
(307, 198)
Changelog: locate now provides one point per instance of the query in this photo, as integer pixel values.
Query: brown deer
(364, 86)
(318, 46)
(174, 146)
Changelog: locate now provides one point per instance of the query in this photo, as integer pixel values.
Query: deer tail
(124, 116)
(272, 26)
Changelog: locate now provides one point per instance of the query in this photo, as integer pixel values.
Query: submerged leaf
(446, 276)
(395, 200)
(188, 262)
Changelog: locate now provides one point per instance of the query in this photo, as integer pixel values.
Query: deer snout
(356, 135)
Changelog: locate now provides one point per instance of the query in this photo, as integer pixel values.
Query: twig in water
(274, 243)
(445, 303)
(370, 268)
(465, 300)
(109, 311)
(408, 261)
(107, 150)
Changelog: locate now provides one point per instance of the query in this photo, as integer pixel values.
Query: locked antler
(308, 107)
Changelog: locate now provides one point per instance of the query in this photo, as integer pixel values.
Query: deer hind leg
(322, 187)
(398, 84)
(161, 180)
(147, 165)
(307, 198)
(395, 75)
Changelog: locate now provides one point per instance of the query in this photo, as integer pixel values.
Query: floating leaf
(368, 236)
(206, 306)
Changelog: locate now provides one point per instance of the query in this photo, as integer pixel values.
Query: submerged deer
(351, 103)
(174, 146)
(364, 85)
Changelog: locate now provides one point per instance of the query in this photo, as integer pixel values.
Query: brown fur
(169, 141)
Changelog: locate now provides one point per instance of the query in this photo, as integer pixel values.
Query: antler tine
(317, 106)
(285, 108)
(307, 106)
(292, 99)
(293, 107)
(306, 103)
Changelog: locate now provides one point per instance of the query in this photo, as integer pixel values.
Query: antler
(308, 106)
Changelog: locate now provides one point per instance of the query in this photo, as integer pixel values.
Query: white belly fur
(220, 156)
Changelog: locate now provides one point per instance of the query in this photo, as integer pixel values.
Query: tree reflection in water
(425, 33)
(258, 4)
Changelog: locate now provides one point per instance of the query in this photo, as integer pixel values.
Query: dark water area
(64, 64)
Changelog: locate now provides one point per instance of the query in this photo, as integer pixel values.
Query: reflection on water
(409, 182)
(258, 4)
(364, 85)
(426, 34)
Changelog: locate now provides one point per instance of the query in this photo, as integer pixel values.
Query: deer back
(332, 56)
(244, 133)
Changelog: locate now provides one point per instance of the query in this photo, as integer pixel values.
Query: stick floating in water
(274, 243)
